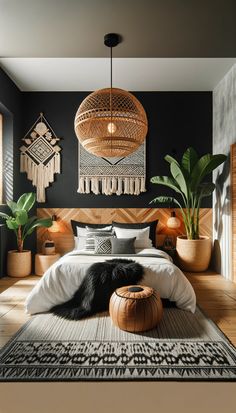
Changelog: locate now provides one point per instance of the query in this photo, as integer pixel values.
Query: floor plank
(9, 329)
(12, 297)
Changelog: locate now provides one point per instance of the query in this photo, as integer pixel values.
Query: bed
(62, 279)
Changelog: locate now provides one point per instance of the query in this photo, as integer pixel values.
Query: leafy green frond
(204, 166)
(166, 181)
(13, 206)
(170, 159)
(165, 200)
(189, 160)
(26, 201)
(12, 224)
(180, 178)
(3, 215)
(206, 189)
(21, 217)
(41, 222)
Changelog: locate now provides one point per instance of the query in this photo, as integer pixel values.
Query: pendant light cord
(111, 96)
(111, 66)
(111, 83)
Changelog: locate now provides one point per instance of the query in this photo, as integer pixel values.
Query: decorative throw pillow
(80, 243)
(140, 225)
(103, 245)
(141, 235)
(92, 234)
(122, 246)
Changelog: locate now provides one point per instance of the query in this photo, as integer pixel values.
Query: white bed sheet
(62, 279)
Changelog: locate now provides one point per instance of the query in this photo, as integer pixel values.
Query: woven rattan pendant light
(111, 122)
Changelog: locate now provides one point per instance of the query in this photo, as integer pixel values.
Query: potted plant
(19, 261)
(188, 181)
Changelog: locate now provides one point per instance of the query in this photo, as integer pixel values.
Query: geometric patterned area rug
(183, 347)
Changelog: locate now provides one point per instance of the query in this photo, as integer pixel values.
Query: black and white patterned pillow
(90, 238)
(103, 245)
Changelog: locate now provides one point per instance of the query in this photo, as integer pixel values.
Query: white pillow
(80, 239)
(79, 243)
(81, 232)
(141, 235)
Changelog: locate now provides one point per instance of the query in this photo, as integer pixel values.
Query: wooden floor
(215, 295)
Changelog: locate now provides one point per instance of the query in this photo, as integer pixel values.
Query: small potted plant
(19, 261)
(188, 181)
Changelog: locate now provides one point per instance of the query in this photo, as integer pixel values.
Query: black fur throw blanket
(100, 281)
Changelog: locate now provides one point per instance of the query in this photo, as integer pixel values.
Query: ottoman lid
(135, 291)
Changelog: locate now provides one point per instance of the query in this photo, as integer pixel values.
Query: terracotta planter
(19, 263)
(193, 254)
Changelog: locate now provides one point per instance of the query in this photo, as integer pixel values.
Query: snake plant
(20, 222)
(188, 181)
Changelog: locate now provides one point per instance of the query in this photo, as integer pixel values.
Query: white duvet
(61, 280)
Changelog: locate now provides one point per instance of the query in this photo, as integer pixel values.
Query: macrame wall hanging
(112, 175)
(40, 156)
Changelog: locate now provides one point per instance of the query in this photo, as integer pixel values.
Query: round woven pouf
(135, 308)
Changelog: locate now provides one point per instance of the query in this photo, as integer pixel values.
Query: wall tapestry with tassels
(112, 175)
(40, 156)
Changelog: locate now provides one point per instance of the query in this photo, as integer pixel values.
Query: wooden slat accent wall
(233, 206)
(64, 240)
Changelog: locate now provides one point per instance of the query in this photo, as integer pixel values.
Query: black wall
(176, 120)
(11, 108)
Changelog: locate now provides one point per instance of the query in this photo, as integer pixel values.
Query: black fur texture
(100, 281)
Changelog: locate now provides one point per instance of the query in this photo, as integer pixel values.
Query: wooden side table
(43, 262)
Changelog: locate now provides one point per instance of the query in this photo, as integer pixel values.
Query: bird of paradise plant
(188, 181)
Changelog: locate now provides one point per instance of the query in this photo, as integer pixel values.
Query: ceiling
(150, 28)
(140, 74)
(166, 45)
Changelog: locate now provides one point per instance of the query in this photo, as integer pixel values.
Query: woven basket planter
(193, 254)
(19, 263)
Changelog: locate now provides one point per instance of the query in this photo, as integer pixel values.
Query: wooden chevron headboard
(64, 240)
